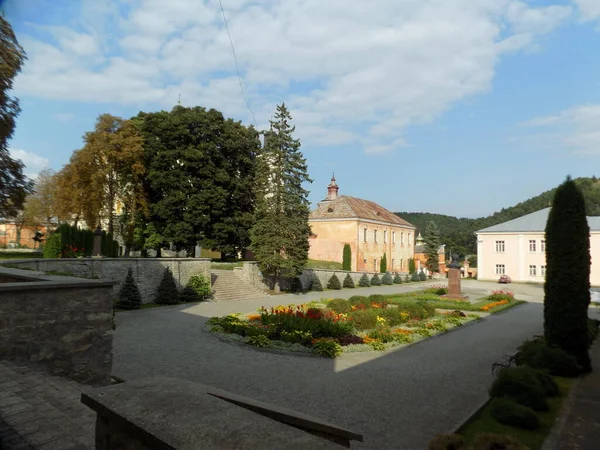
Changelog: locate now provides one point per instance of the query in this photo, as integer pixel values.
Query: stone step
(43, 410)
(228, 285)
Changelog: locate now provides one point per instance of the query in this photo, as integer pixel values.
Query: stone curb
(551, 441)
(461, 423)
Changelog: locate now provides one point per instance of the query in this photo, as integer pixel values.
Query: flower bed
(332, 327)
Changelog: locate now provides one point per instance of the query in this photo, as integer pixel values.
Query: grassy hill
(458, 233)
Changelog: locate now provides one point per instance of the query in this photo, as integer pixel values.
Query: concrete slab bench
(168, 413)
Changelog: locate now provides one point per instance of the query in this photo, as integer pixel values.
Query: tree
(281, 231)
(40, 206)
(383, 264)
(200, 180)
(348, 282)
(567, 287)
(315, 283)
(167, 293)
(364, 281)
(334, 282)
(375, 281)
(411, 266)
(432, 246)
(347, 257)
(14, 186)
(129, 294)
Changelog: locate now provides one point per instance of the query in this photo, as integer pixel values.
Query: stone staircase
(229, 286)
(41, 411)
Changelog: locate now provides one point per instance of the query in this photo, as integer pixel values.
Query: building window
(500, 269)
(543, 271)
(365, 235)
(375, 265)
(500, 246)
(543, 246)
(385, 236)
(393, 237)
(532, 245)
(532, 271)
(393, 264)
(402, 238)
(375, 236)
(408, 239)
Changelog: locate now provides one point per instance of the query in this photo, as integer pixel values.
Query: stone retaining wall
(147, 272)
(64, 325)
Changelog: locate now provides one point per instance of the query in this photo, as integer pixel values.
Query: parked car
(504, 279)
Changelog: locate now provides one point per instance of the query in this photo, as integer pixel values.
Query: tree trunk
(158, 253)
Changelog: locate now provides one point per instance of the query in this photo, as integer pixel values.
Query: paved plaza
(398, 399)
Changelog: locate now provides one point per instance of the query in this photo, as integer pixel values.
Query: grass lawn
(439, 302)
(20, 255)
(328, 265)
(225, 265)
(483, 422)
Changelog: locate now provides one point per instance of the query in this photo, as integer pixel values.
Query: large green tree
(347, 257)
(200, 176)
(14, 186)
(281, 230)
(432, 246)
(567, 287)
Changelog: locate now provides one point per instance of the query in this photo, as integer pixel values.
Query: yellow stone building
(370, 229)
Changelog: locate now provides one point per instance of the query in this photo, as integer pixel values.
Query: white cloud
(576, 129)
(588, 9)
(33, 163)
(348, 70)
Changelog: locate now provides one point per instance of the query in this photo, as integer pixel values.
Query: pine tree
(422, 276)
(432, 246)
(375, 281)
(364, 281)
(334, 283)
(397, 279)
(315, 283)
(347, 258)
(415, 277)
(281, 230)
(383, 264)
(411, 266)
(129, 294)
(387, 279)
(348, 282)
(167, 293)
(567, 287)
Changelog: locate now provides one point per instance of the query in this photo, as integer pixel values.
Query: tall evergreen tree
(383, 264)
(567, 287)
(432, 244)
(281, 231)
(347, 257)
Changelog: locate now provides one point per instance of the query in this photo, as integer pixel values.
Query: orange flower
(252, 317)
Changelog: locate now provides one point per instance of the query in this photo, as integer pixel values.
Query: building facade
(370, 229)
(517, 248)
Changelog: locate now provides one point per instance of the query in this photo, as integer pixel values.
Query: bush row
(334, 282)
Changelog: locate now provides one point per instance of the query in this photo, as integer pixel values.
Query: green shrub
(393, 316)
(407, 279)
(378, 298)
(347, 257)
(593, 327)
(522, 385)
(419, 310)
(397, 279)
(129, 294)
(377, 345)
(348, 282)
(356, 300)
(375, 281)
(364, 319)
(334, 283)
(490, 441)
(538, 355)
(387, 279)
(446, 442)
(499, 296)
(382, 335)
(340, 305)
(364, 281)
(295, 284)
(260, 341)
(53, 246)
(422, 276)
(200, 285)
(315, 283)
(412, 267)
(383, 264)
(509, 412)
(167, 293)
(296, 337)
(188, 295)
(327, 348)
(415, 277)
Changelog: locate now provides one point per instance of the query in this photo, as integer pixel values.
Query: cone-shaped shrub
(397, 279)
(348, 281)
(167, 293)
(334, 282)
(407, 279)
(422, 276)
(364, 281)
(347, 257)
(375, 281)
(415, 277)
(129, 295)
(316, 283)
(387, 279)
(189, 295)
(567, 287)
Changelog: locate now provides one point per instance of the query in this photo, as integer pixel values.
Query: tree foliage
(347, 257)
(567, 287)
(14, 186)
(348, 282)
(40, 207)
(383, 264)
(432, 245)
(334, 282)
(129, 294)
(167, 292)
(281, 230)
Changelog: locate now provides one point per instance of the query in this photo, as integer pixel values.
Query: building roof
(534, 222)
(422, 248)
(346, 207)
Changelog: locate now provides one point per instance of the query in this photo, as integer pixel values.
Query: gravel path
(398, 399)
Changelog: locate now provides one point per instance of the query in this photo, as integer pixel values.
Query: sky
(459, 107)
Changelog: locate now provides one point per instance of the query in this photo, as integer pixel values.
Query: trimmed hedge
(315, 283)
(509, 412)
(538, 355)
(340, 305)
(334, 283)
(522, 384)
(397, 279)
(364, 281)
(348, 282)
(387, 279)
(375, 281)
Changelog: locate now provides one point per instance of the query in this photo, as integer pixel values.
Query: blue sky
(457, 107)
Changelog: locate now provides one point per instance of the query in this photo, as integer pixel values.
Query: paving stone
(43, 436)
(59, 444)
(11, 410)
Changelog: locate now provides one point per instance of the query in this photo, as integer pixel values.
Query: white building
(517, 248)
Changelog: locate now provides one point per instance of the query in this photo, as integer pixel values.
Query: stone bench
(168, 413)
